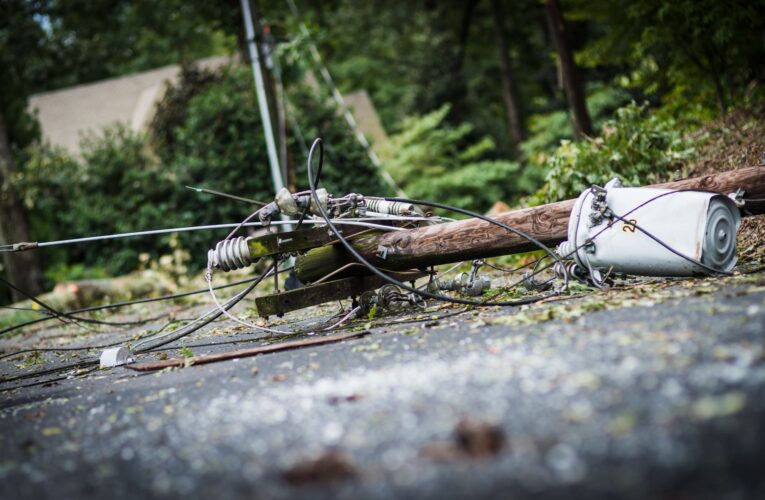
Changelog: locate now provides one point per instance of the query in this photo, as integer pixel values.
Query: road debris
(116, 356)
(224, 356)
(473, 439)
(328, 467)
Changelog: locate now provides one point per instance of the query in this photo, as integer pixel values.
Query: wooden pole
(474, 238)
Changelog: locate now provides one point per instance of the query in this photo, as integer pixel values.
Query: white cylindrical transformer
(696, 224)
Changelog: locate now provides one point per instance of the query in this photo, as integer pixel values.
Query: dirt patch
(730, 142)
(735, 141)
(751, 237)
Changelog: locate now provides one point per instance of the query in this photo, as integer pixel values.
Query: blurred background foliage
(651, 71)
(206, 133)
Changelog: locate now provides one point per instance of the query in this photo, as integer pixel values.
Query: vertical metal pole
(265, 117)
(273, 158)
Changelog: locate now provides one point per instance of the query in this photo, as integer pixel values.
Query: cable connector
(286, 202)
(19, 247)
(738, 198)
(323, 196)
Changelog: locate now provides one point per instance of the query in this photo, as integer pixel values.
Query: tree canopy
(481, 98)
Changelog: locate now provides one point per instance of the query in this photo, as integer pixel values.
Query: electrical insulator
(230, 254)
(385, 207)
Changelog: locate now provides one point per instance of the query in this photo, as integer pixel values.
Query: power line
(23, 246)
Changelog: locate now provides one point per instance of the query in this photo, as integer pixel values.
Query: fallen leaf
(51, 431)
(37, 415)
(328, 467)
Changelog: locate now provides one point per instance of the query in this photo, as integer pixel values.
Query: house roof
(66, 115)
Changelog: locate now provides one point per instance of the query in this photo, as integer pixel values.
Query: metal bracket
(271, 244)
(278, 304)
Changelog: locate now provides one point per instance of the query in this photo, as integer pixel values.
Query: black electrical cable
(320, 327)
(209, 317)
(319, 143)
(117, 305)
(241, 224)
(49, 381)
(88, 347)
(214, 314)
(64, 318)
(48, 371)
(508, 270)
(206, 319)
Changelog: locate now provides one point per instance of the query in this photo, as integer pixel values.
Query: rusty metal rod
(243, 353)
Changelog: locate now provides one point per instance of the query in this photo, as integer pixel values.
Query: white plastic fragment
(116, 356)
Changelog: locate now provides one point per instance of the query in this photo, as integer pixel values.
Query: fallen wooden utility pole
(472, 238)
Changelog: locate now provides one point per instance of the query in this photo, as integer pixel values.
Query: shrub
(547, 130)
(116, 186)
(433, 160)
(206, 132)
(636, 146)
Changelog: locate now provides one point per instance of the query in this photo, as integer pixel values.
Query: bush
(636, 146)
(436, 161)
(117, 186)
(206, 132)
(546, 131)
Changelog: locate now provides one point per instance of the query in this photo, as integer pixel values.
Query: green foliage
(87, 40)
(372, 312)
(697, 52)
(347, 167)
(172, 110)
(19, 40)
(547, 130)
(433, 160)
(636, 146)
(117, 186)
(60, 272)
(30, 360)
(206, 132)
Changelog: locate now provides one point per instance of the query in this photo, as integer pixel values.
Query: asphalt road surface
(654, 390)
